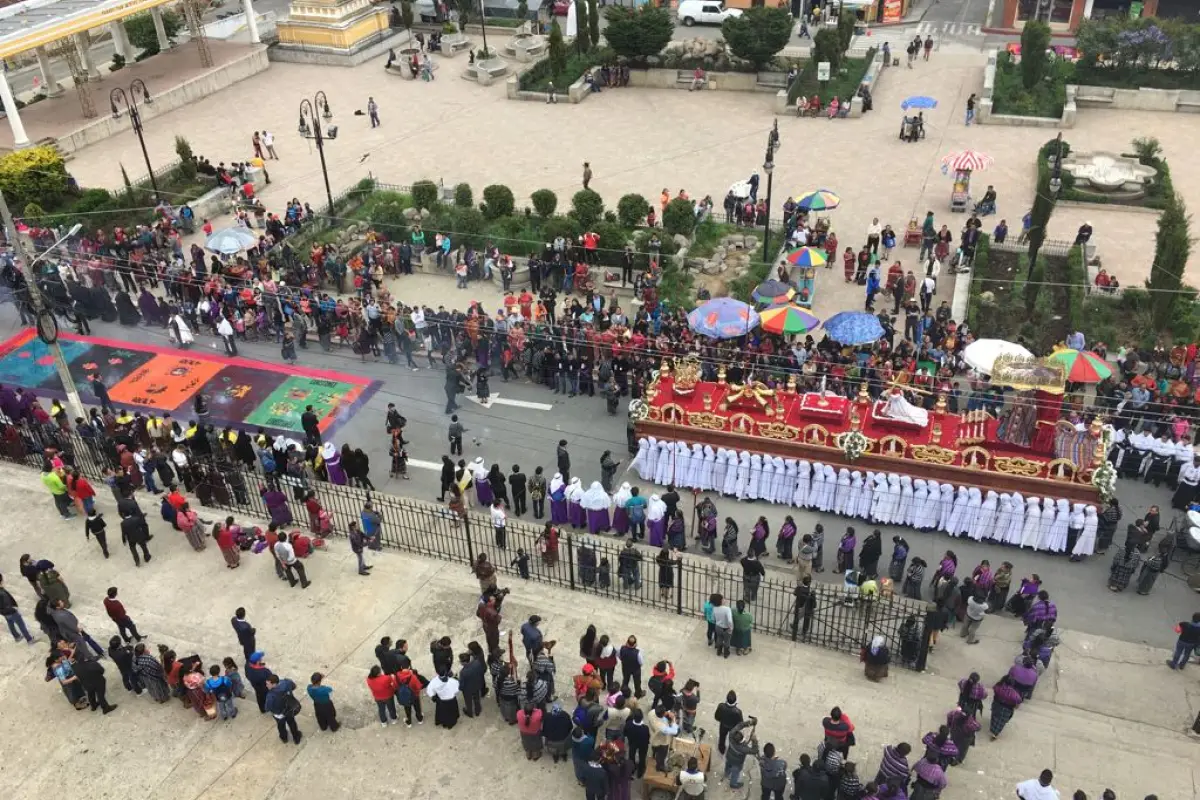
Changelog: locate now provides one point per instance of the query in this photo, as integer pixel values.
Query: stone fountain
(525, 47)
(1114, 176)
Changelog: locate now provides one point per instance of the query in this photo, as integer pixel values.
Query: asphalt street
(527, 433)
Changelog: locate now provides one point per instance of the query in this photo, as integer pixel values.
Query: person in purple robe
(333, 464)
(8, 403)
(845, 551)
(575, 513)
(656, 521)
(595, 503)
(786, 540)
(558, 500)
(758, 537)
(620, 520)
(483, 489)
(148, 305)
(277, 506)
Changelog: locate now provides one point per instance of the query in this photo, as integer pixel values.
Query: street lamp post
(117, 98)
(769, 168)
(482, 26)
(310, 128)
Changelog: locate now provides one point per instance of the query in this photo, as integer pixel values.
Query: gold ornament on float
(687, 375)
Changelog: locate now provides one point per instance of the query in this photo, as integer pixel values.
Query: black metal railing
(837, 619)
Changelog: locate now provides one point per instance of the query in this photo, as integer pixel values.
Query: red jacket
(115, 609)
(408, 676)
(81, 488)
(382, 687)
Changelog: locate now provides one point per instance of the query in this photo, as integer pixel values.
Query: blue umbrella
(919, 101)
(723, 318)
(853, 327)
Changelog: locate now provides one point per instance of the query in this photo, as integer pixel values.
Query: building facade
(1064, 16)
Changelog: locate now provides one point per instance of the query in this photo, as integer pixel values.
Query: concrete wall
(254, 62)
(1140, 99)
(785, 109)
(668, 79)
(334, 57)
(984, 114)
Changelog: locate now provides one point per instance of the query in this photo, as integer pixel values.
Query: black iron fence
(834, 617)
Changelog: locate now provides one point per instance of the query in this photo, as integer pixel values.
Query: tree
(35, 174)
(638, 34)
(632, 210)
(587, 207)
(142, 35)
(544, 203)
(187, 160)
(680, 216)
(406, 15)
(1044, 202)
(758, 34)
(1035, 39)
(463, 196)
(582, 33)
(498, 201)
(593, 23)
(523, 11)
(827, 47)
(1172, 246)
(847, 21)
(556, 50)
(425, 194)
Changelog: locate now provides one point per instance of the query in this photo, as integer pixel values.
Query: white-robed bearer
(945, 506)
(1033, 523)
(904, 509)
(1060, 530)
(1017, 523)
(640, 461)
(766, 481)
(958, 513)
(841, 495)
(1085, 545)
(803, 484)
(718, 470)
(1074, 527)
(750, 491)
(985, 520)
(1189, 478)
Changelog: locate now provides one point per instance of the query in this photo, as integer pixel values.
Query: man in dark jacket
(136, 533)
(531, 636)
(282, 706)
(728, 717)
(91, 679)
(358, 544)
(742, 743)
(12, 615)
(774, 773)
(595, 780)
(447, 478)
(245, 632)
(516, 483)
(809, 783)
(472, 679)
(564, 461)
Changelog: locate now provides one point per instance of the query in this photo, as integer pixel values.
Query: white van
(705, 12)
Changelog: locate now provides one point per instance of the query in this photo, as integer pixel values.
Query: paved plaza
(1107, 714)
(643, 140)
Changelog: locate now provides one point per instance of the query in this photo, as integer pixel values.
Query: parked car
(705, 12)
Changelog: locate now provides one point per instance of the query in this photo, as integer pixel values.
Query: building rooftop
(34, 23)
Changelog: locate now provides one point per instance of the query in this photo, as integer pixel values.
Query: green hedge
(538, 77)
(1047, 100)
(1077, 284)
(1156, 193)
(983, 251)
(842, 85)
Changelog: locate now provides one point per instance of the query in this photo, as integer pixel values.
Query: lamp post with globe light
(310, 128)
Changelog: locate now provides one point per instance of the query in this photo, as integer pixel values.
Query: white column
(20, 138)
(1087, 9)
(50, 84)
(121, 43)
(83, 45)
(164, 43)
(251, 21)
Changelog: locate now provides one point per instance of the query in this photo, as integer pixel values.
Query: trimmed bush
(463, 196)
(140, 28)
(758, 34)
(638, 34)
(680, 217)
(544, 203)
(425, 194)
(498, 201)
(587, 207)
(632, 210)
(33, 175)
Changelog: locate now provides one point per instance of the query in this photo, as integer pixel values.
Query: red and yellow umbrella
(1081, 366)
(788, 319)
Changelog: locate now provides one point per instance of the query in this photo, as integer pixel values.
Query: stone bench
(684, 77)
(771, 81)
(453, 43)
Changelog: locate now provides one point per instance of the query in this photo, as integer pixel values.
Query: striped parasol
(1081, 366)
(820, 200)
(787, 319)
(805, 257)
(966, 161)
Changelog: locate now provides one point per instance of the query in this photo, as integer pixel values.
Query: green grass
(1047, 98)
(708, 235)
(503, 22)
(539, 77)
(842, 85)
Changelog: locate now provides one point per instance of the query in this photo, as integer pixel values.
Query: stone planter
(525, 47)
(486, 71)
(403, 58)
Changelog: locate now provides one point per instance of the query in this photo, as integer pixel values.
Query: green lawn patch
(844, 83)
(538, 77)
(1045, 100)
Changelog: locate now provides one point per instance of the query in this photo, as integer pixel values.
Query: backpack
(580, 717)
(637, 513)
(404, 695)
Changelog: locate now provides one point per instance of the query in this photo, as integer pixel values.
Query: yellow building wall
(328, 36)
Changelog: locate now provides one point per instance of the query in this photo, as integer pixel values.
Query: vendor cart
(960, 193)
(662, 785)
(912, 235)
(961, 165)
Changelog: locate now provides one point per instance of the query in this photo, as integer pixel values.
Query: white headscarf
(556, 483)
(656, 509)
(479, 469)
(595, 498)
(641, 460)
(624, 493)
(574, 491)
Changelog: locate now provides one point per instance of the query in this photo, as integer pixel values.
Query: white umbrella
(228, 241)
(981, 355)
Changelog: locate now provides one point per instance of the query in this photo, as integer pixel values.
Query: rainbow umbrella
(1081, 366)
(723, 318)
(773, 292)
(820, 200)
(787, 319)
(805, 257)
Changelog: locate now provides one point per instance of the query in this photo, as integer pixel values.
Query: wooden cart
(661, 785)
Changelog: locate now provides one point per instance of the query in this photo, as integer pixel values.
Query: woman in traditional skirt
(558, 500)
(1001, 583)
(743, 624)
(666, 573)
(556, 729)
(620, 517)
(786, 540)
(930, 780)
(759, 536)
(876, 658)
(150, 674)
(899, 560)
(226, 536)
(313, 506)
(595, 503)
(914, 577)
(529, 724)
(444, 691)
(1005, 699)
(575, 513)
(1125, 563)
(971, 694)
(547, 544)
(707, 511)
(193, 684)
(188, 522)
(845, 551)
(1154, 565)
(656, 522)
(508, 695)
(962, 726)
